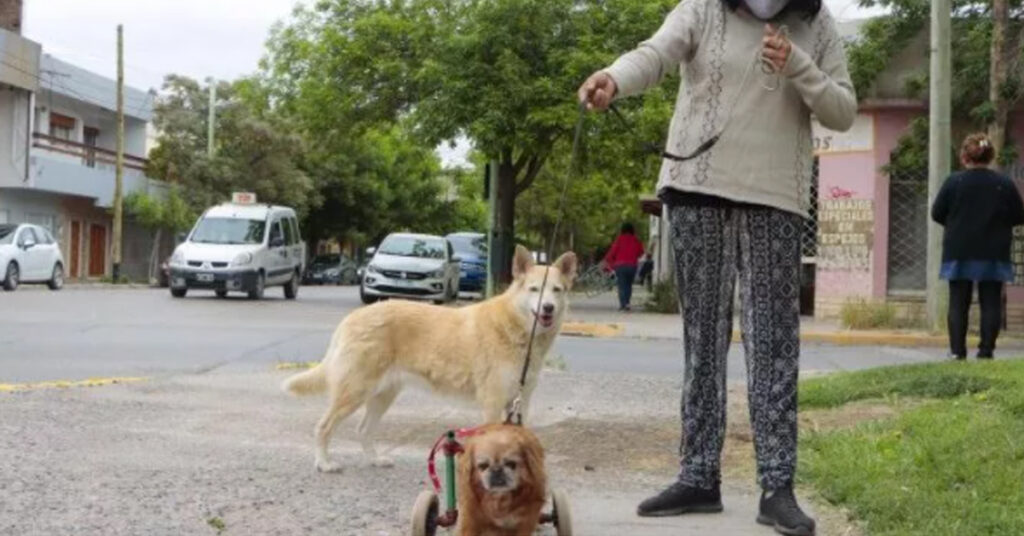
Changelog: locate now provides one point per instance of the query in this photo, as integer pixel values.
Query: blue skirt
(977, 271)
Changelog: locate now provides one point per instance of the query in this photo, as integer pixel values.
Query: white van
(238, 247)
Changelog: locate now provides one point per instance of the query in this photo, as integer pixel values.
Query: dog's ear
(522, 262)
(567, 265)
(466, 465)
(534, 477)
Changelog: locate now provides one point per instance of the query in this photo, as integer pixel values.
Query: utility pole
(938, 149)
(211, 118)
(119, 166)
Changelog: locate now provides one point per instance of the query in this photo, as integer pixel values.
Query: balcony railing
(89, 154)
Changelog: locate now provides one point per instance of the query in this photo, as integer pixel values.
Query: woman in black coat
(978, 208)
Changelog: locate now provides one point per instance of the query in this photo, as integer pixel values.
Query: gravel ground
(192, 454)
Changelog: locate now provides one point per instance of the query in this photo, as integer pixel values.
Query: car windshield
(411, 246)
(229, 231)
(327, 260)
(7, 233)
(475, 245)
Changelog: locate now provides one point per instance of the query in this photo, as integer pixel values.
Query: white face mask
(766, 9)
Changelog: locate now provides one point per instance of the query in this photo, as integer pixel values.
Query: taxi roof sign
(243, 198)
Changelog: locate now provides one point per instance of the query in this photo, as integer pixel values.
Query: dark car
(331, 269)
(472, 249)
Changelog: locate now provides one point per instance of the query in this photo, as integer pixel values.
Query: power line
(52, 85)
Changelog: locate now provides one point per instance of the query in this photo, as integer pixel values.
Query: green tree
(253, 152)
(502, 72)
(158, 214)
(977, 105)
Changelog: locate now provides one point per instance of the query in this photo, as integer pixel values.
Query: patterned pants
(712, 246)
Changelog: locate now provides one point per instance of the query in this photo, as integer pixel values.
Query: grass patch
(663, 297)
(217, 524)
(556, 362)
(951, 463)
(863, 314)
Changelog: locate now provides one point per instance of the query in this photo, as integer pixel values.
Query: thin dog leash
(515, 413)
(767, 67)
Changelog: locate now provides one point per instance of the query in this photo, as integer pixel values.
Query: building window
(90, 138)
(62, 126)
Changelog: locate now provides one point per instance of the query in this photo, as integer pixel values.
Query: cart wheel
(424, 514)
(561, 513)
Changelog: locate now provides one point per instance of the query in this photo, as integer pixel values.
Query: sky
(199, 38)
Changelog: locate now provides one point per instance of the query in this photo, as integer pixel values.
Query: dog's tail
(308, 382)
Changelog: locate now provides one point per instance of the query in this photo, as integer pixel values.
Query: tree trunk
(505, 222)
(997, 75)
(154, 257)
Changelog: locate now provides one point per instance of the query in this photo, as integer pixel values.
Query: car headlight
(178, 258)
(243, 259)
(372, 269)
(436, 273)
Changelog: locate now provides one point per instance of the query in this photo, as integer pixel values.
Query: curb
(586, 329)
(837, 338)
(73, 287)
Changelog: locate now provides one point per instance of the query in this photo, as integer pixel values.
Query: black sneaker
(985, 355)
(957, 357)
(680, 499)
(780, 510)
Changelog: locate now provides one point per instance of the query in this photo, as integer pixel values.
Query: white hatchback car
(29, 254)
(412, 266)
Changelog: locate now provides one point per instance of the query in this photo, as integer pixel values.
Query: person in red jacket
(622, 258)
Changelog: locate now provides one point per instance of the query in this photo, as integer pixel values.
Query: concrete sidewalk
(178, 454)
(598, 316)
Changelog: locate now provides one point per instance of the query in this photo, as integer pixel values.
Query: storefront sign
(860, 137)
(845, 234)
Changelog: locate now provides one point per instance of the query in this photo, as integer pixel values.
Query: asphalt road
(211, 441)
(81, 333)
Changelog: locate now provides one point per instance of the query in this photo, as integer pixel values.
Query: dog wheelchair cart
(427, 516)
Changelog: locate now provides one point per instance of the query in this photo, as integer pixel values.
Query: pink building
(869, 240)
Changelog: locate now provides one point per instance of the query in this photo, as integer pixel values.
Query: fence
(908, 232)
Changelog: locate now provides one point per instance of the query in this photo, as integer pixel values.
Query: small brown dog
(502, 484)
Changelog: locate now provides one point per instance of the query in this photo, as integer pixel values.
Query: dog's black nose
(497, 478)
(549, 308)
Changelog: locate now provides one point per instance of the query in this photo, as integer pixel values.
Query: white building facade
(58, 128)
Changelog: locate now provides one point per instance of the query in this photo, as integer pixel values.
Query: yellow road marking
(291, 365)
(67, 384)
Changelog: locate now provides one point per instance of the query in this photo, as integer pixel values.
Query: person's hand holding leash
(776, 48)
(598, 91)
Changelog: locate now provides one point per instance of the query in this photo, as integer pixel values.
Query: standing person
(646, 268)
(978, 209)
(736, 178)
(622, 258)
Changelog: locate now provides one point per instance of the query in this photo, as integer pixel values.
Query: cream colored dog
(474, 352)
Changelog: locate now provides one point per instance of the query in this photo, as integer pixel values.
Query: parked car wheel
(56, 281)
(366, 298)
(13, 277)
(221, 293)
(291, 288)
(179, 292)
(257, 292)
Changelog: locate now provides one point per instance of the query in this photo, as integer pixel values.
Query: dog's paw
(383, 462)
(328, 467)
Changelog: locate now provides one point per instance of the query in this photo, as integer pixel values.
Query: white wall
(28, 206)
